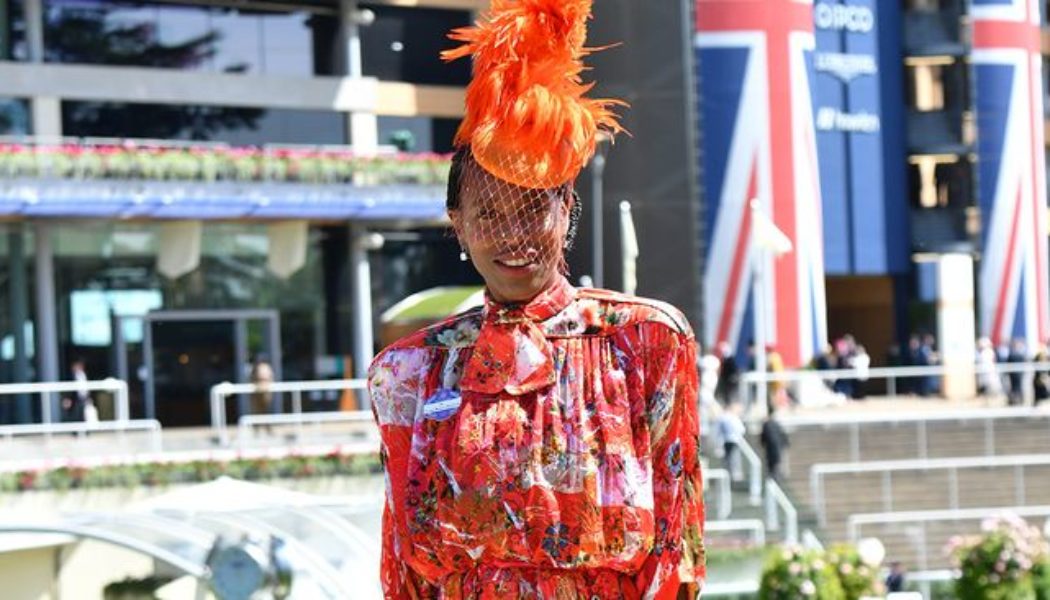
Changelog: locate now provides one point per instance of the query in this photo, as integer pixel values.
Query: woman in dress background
(547, 444)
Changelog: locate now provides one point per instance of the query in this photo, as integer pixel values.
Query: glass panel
(189, 543)
(238, 51)
(287, 45)
(14, 116)
(12, 31)
(105, 269)
(404, 44)
(233, 125)
(189, 357)
(418, 134)
(187, 37)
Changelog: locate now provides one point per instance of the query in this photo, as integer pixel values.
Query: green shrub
(1003, 562)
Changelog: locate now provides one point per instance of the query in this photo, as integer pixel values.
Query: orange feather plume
(527, 119)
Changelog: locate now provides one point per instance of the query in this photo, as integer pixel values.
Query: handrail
(755, 526)
(886, 372)
(891, 374)
(855, 521)
(152, 426)
(925, 464)
(811, 541)
(922, 421)
(725, 493)
(964, 414)
(819, 471)
(247, 422)
(221, 392)
(755, 475)
(117, 386)
(923, 517)
(776, 498)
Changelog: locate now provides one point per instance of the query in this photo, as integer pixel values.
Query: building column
(956, 325)
(46, 325)
(364, 127)
(19, 317)
(45, 111)
(361, 241)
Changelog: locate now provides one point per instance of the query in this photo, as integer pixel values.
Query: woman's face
(515, 236)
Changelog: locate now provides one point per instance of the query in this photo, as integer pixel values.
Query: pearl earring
(463, 256)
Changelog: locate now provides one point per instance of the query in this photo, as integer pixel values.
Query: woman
(545, 445)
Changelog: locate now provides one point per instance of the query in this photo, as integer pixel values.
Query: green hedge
(161, 474)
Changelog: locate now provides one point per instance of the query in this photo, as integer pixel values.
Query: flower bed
(140, 161)
(1008, 560)
(168, 473)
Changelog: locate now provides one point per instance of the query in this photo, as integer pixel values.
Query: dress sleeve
(675, 568)
(395, 382)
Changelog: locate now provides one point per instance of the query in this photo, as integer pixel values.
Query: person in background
(989, 382)
(861, 363)
(728, 375)
(775, 441)
(777, 390)
(262, 376)
(895, 579)
(1018, 354)
(929, 358)
(731, 431)
(73, 408)
(826, 361)
(1041, 379)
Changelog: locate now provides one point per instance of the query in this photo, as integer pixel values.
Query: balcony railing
(934, 33)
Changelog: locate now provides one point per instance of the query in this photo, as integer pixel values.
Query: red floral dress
(542, 451)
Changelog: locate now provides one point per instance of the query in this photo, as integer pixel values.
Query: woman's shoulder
(616, 310)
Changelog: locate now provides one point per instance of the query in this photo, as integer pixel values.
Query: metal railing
(854, 423)
(921, 518)
(221, 392)
(81, 429)
(247, 424)
(725, 493)
(754, 478)
(777, 499)
(119, 388)
(820, 472)
(750, 379)
(755, 526)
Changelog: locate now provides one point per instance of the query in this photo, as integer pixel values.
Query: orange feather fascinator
(527, 119)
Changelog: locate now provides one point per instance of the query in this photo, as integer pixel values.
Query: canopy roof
(332, 550)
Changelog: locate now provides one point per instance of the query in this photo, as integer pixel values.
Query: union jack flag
(756, 117)
(1007, 67)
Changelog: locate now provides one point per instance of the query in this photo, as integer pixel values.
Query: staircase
(916, 542)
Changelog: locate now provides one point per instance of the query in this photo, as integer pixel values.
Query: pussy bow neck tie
(511, 352)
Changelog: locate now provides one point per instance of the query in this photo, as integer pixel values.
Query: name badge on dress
(442, 405)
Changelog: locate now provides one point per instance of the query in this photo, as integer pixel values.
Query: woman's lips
(516, 266)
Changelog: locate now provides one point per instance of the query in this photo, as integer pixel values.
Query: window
(230, 124)
(936, 83)
(403, 44)
(418, 134)
(940, 181)
(196, 38)
(14, 116)
(12, 31)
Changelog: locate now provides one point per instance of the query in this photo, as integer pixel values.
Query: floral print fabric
(544, 451)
